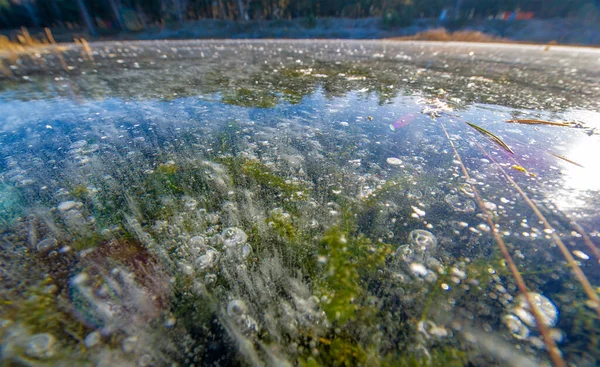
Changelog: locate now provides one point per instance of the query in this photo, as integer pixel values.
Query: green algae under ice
(247, 203)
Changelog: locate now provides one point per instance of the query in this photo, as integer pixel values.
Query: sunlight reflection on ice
(584, 150)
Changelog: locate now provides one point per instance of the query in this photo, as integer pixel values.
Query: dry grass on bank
(24, 44)
(441, 34)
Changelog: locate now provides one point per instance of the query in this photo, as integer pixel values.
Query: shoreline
(535, 31)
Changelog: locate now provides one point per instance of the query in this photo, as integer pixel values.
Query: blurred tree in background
(139, 14)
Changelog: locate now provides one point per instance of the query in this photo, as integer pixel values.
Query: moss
(89, 241)
(245, 97)
(157, 195)
(40, 313)
(441, 356)
(288, 72)
(388, 189)
(309, 362)
(188, 306)
(165, 175)
(343, 353)
(228, 139)
(583, 322)
(10, 204)
(359, 72)
(169, 168)
(349, 272)
(479, 277)
(577, 319)
(281, 223)
(350, 261)
(79, 192)
(291, 96)
(386, 90)
(242, 169)
(348, 264)
(264, 176)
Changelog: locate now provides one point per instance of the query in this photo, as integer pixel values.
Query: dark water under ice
(299, 203)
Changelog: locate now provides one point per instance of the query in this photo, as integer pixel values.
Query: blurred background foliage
(135, 15)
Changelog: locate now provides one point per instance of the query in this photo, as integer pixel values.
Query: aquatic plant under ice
(255, 208)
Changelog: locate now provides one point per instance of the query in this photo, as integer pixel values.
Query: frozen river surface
(301, 203)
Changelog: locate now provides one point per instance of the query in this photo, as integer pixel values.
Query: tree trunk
(180, 10)
(141, 15)
(208, 9)
(458, 6)
(222, 7)
(117, 12)
(86, 17)
(243, 14)
(31, 10)
(57, 11)
(5, 20)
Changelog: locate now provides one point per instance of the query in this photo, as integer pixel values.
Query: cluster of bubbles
(71, 213)
(112, 301)
(522, 324)
(114, 291)
(234, 243)
(228, 247)
(461, 200)
(237, 312)
(254, 294)
(26, 349)
(417, 257)
(208, 237)
(9, 202)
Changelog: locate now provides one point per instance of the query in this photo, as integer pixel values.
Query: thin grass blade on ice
(495, 138)
(539, 122)
(567, 160)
